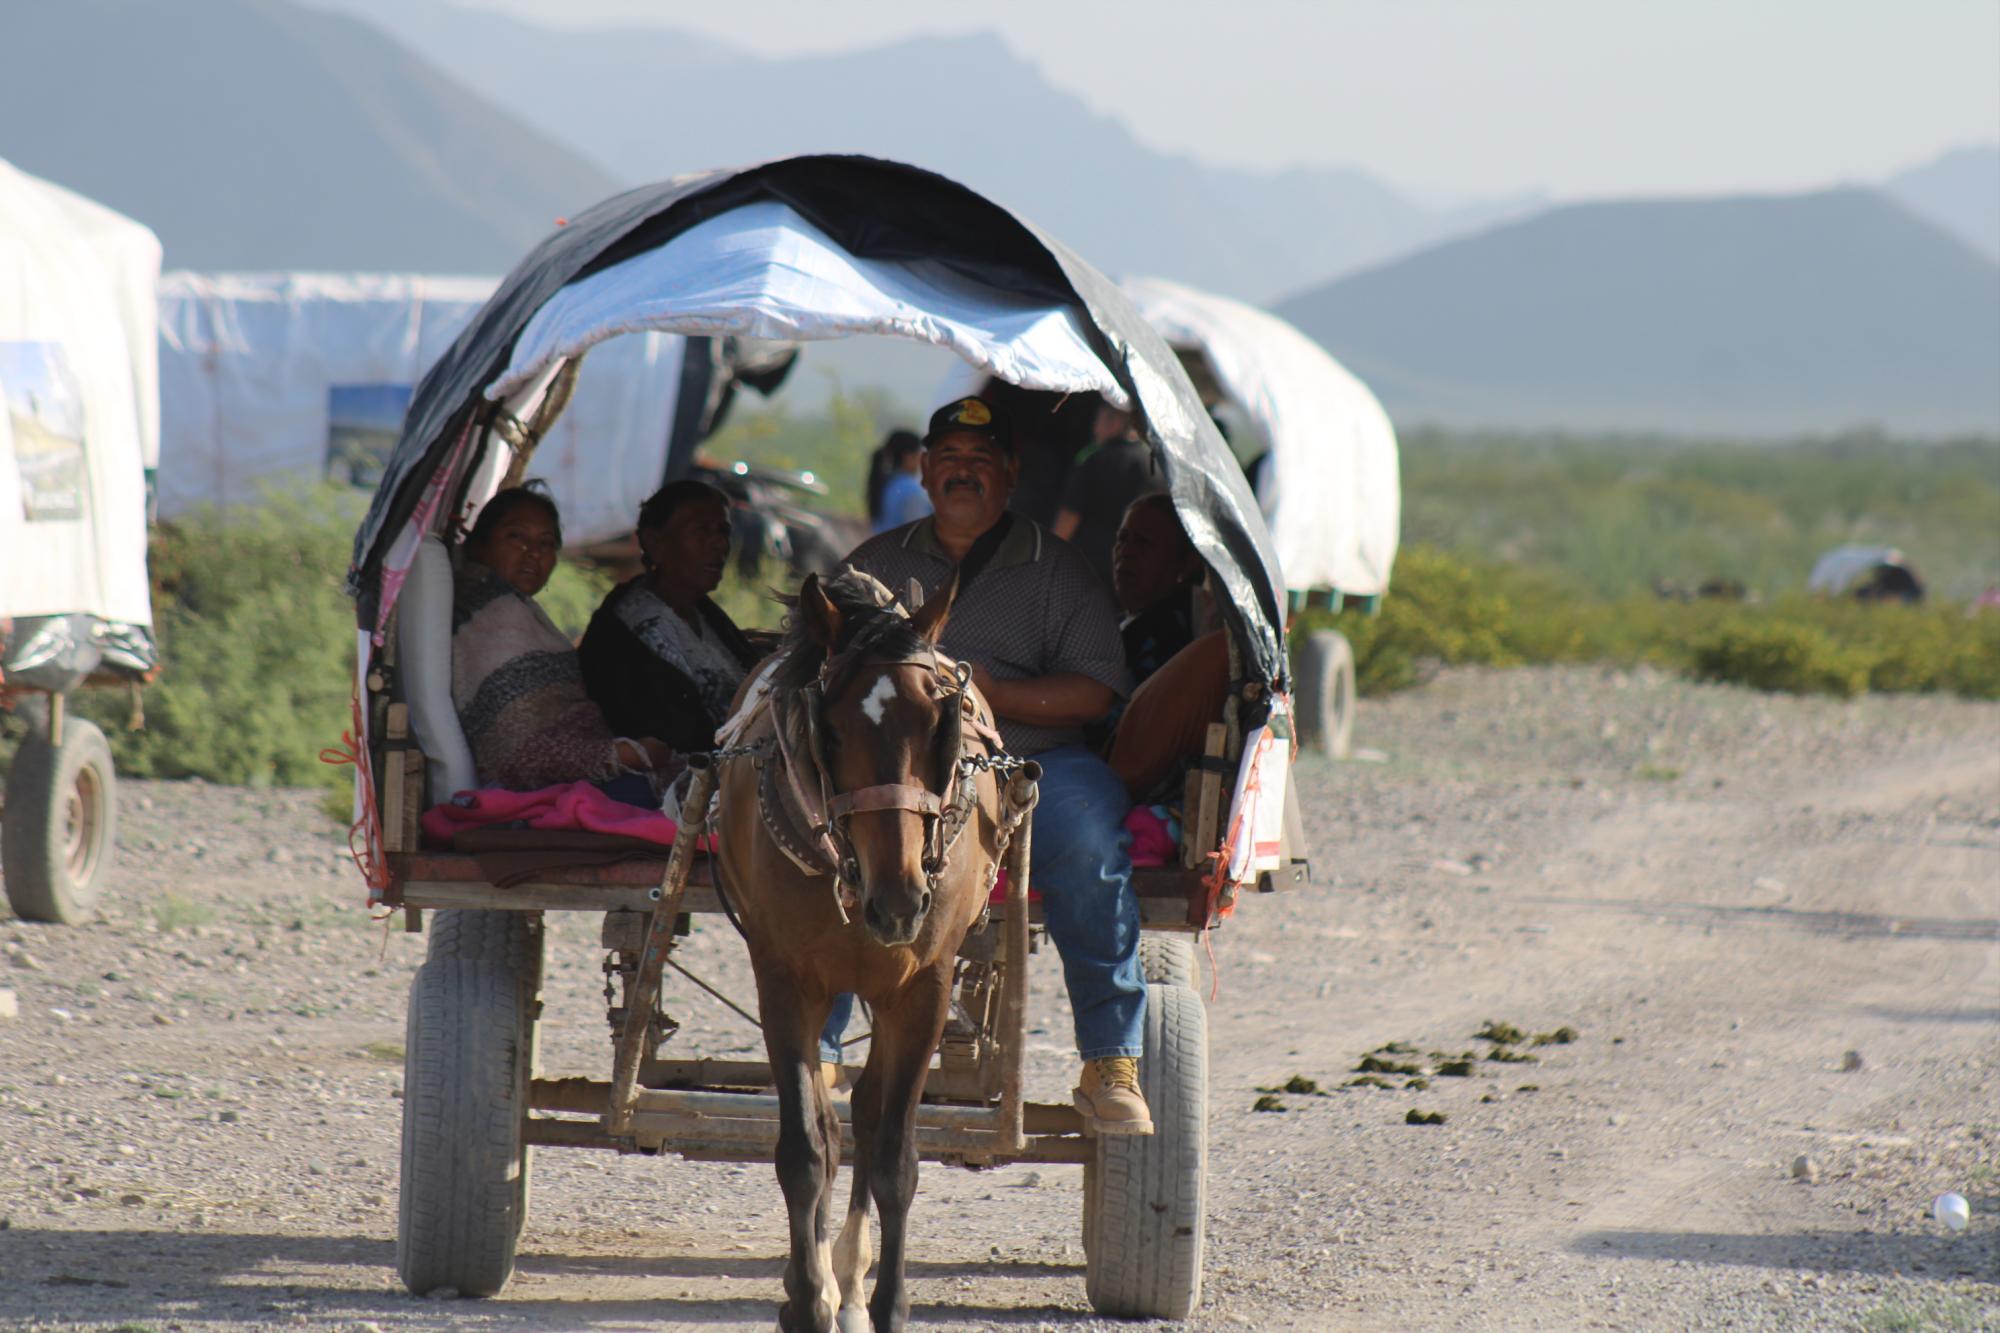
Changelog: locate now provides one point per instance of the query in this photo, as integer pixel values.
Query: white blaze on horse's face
(877, 702)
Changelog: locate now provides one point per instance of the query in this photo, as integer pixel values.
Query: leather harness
(807, 819)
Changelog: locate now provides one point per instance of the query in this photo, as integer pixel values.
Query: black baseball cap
(971, 416)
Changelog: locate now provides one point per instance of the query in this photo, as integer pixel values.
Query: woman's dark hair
(505, 503)
(664, 503)
(1163, 502)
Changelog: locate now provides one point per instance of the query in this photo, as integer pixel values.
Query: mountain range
(418, 135)
(256, 134)
(1960, 191)
(651, 102)
(1773, 315)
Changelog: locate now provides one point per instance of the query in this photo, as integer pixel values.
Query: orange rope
(365, 859)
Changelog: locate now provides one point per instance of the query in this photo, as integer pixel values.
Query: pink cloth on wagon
(1152, 845)
(570, 805)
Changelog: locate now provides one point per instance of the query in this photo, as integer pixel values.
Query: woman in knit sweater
(660, 657)
(515, 679)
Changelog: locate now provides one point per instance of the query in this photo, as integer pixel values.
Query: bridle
(945, 814)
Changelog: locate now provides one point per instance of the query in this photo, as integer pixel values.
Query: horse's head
(888, 733)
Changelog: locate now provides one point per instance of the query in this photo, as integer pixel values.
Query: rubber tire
(469, 1052)
(41, 882)
(1168, 960)
(1145, 1206)
(1323, 698)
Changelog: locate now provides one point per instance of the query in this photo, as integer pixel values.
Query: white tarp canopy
(274, 379)
(78, 358)
(1331, 490)
(1844, 566)
(763, 271)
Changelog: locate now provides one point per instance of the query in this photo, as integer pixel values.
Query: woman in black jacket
(660, 657)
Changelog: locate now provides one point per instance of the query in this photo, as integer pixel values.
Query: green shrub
(1448, 610)
(1442, 610)
(1615, 513)
(1784, 656)
(257, 645)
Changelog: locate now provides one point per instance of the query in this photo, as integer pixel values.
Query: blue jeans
(1081, 864)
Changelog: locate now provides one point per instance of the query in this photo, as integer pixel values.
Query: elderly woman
(515, 679)
(660, 657)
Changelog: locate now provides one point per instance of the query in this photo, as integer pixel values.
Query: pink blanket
(572, 805)
(1152, 845)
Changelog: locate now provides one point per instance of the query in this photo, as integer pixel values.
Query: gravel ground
(1723, 893)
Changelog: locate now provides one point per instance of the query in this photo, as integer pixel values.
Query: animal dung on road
(1416, 1117)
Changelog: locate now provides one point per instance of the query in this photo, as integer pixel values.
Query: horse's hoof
(855, 1321)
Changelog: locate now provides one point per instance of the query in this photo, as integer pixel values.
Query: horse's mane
(871, 621)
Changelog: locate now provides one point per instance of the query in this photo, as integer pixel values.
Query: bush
(257, 645)
(1783, 656)
(1451, 611)
(1443, 610)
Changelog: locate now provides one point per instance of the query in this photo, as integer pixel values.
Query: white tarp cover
(763, 271)
(1332, 491)
(1844, 566)
(273, 379)
(77, 358)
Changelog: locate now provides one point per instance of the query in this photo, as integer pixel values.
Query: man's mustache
(974, 484)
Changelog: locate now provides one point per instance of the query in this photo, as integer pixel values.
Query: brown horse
(857, 853)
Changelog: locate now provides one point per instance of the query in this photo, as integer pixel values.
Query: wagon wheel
(1144, 1212)
(468, 1057)
(1168, 960)
(1323, 679)
(60, 823)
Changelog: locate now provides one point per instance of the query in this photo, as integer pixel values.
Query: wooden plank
(395, 778)
(1202, 827)
(413, 797)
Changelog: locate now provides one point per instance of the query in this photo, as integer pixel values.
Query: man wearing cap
(1040, 633)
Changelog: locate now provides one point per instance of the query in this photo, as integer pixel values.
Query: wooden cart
(476, 1106)
(884, 250)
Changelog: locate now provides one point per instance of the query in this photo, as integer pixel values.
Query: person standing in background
(1107, 477)
(883, 465)
(903, 497)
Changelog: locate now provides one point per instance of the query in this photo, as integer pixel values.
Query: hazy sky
(1581, 97)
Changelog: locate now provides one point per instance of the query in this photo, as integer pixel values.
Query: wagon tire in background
(1323, 699)
(1144, 1207)
(1168, 960)
(60, 824)
(468, 1058)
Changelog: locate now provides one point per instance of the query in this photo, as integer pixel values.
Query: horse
(857, 853)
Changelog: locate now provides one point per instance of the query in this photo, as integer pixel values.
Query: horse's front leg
(906, 1033)
(805, 1159)
(853, 1250)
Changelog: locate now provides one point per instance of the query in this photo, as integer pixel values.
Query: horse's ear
(818, 613)
(930, 618)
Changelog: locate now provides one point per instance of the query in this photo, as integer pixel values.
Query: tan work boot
(829, 1074)
(1109, 1097)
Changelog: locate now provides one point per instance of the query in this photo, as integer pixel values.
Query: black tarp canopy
(874, 210)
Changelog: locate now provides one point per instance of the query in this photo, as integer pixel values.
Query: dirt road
(1722, 893)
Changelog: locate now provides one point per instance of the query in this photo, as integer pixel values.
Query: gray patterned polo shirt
(1035, 610)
